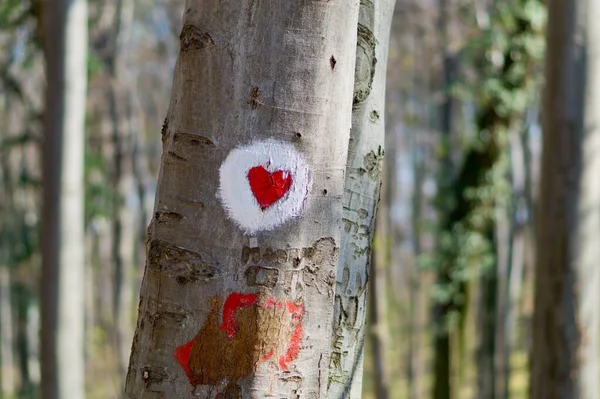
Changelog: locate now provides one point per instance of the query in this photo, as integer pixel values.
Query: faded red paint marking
(272, 302)
(268, 187)
(268, 355)
(233, 303)
(229, 328)
(295, 309)
(294, 348)
(183, 355)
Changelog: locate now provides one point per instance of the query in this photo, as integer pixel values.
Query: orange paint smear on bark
(267, 356)
(234, 302)
(297, 312)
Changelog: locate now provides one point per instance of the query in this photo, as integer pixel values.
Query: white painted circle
(237, 197)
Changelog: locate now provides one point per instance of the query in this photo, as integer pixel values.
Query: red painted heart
(268, 187)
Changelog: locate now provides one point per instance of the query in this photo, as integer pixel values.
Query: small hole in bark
(325, 192)
(298, 135)
(332, 62)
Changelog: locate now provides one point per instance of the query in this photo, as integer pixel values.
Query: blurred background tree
(456, 251)
(566, 324)
(62, 232)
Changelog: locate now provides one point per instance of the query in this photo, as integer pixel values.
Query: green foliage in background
(18, 200)
(507, 58)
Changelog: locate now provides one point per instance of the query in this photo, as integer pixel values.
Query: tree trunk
(442, 369)
(503, 240)
(7, 364)
(468, 229)
(28, 343)
(124, 226)
(378, 299)
(63, 231)
(361, 194)
(237, 297)
(516, 252)
(415, 341)
(566, 325)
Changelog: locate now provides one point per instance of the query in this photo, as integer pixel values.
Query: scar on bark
(168, 217)
(181, 264)
(373, 163)
(365, 64)
(374, 116)
(332, 62)
(255, 328)
(258, 276)
(185, 146)
(177, 156)
(254, 103)
(153, 375)
(192, 140)
(322, 255)
(194, 38)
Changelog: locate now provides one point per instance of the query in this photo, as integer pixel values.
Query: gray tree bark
(566, 325)
(63, 258)
(361, 195)
(225, 310)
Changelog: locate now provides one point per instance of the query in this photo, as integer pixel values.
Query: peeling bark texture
(248, 72)
(566, 323)
(63, 260)
(361, 195)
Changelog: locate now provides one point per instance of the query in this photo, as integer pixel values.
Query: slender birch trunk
(361, 195)
(63, 258)
(566, 325)
(237, 297)
(7, 364)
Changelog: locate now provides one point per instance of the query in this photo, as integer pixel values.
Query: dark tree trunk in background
(566, 323)
(124, 219)
(442, 368)
(474, 196)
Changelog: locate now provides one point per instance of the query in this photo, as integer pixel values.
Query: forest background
(455, 251)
